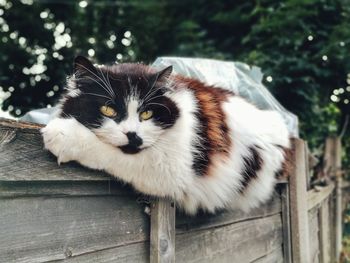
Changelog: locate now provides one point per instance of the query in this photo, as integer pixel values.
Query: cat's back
(240, 149)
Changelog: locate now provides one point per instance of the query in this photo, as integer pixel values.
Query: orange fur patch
(212, 118)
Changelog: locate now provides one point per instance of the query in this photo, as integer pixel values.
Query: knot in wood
(163, 245)
(68, 253)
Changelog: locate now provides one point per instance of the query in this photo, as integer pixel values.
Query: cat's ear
(164, 74)
(84, 66)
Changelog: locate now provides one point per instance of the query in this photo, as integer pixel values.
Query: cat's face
(124, 105)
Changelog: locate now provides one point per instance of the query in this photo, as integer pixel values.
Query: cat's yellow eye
(108, 111)
(145, 115)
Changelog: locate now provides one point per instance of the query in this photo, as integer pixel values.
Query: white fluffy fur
(164, 167)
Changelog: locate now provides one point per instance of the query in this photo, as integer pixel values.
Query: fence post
(162, 237)
(324, 233)
(298, 204)
(287, 250)
(332, 161)
(338, 217)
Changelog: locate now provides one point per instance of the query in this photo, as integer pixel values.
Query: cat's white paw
(65, 138)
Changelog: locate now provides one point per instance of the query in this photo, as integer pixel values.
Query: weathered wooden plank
(162, 247)
(206, 221)
(332, 223)
(138, 252)
(338, 217)
(332, 159)
(22, 157)
(324, 232)
(275, 256)
(314, 235)
(298, 206)
(307, 166)
(12, 189)
(43, 228)
(332, 155)
(287, 249)
(315, 197)
(20, 124)
(239, 242)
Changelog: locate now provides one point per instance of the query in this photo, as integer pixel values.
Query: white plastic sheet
(42, 116)
(238, 77)
(235, 76)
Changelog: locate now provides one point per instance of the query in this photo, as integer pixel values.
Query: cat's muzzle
(134, 143)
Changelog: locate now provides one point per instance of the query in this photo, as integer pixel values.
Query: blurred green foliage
(303, 47)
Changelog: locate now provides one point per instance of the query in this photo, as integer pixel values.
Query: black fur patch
(252, 164)
(202, 149)
(112, 86)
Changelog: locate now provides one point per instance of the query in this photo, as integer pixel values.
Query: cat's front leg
(68, 139)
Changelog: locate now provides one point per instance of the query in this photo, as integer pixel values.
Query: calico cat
(169, 136)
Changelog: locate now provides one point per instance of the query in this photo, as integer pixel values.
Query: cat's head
(125, 105)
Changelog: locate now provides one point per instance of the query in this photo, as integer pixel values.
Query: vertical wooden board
(43, 228)
(324, 231)
(298, 205)
(332, 223)
(245, 241)
(307, 166)
(162, 238)
(333, 165)
(314, 235)
(332, 155)
(287, 250)
(338, 217)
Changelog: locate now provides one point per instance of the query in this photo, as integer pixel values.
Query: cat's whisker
(149, 97)
(150, 93)
(91, 72)
(94, 80)
(109, 87)
(109, 82)
(105, 88)
(159, 104)
(98, 95)
(152, 98)
(150, 90)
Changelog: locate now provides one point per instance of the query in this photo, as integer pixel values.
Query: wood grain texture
(131, 253)
(275, 256)
(332, 224)
(332, 159)
(22, 157)
(316, 197)
(338, 216)
(40, 229)
(298, 205)
(13, 189)
(162, 247)
(203, 221)
(287, 246)
(324, 232)
(245, 241)
(314, 235)
(332, 156)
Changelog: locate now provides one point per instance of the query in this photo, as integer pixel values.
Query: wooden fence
(72, 214)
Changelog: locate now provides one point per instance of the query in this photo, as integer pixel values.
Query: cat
(169, 136)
